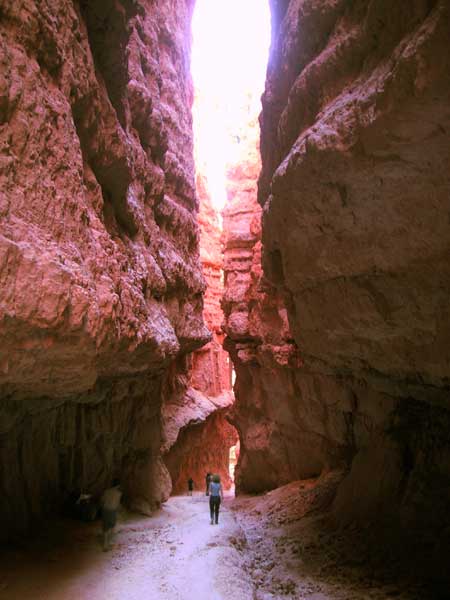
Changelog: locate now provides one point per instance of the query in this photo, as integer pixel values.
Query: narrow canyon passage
(210, 264)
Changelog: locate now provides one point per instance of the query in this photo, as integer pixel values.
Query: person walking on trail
(190, 486)
(215, 496)
(207, 481)
(110, 502)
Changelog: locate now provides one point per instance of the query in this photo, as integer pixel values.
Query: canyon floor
(265, 547)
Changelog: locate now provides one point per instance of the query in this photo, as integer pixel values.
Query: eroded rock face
(100, 281)
(198, 436)
(281, 440)
(211, 367)
(203, 442)
(355, 195)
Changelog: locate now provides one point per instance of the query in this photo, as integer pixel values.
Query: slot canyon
(283, 323)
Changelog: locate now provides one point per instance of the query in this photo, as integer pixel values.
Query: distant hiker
(190, 486)
(110, 503)
(208, 481)
(216, 495)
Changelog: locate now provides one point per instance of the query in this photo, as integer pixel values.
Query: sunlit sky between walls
(230, 49)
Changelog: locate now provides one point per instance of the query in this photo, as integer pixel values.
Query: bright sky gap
(231, 41)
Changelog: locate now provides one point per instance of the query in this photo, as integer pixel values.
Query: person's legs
(211, 509)
(106, 539)
(216, 510)
(109, 519)
(105, 530)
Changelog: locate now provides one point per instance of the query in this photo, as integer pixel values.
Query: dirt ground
(294, 550)
(176, 555)
(267, 547)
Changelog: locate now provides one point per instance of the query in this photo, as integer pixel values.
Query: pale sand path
(175, 555)
(278, 541)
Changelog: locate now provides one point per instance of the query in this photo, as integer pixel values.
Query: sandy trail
(274, 546)
(174, 555)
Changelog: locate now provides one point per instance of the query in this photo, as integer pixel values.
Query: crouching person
(110, 503)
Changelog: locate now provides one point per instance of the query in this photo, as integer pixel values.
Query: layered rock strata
(278, 443)
(101, 286)
(203, 441)
(355, 195)
(198, 436)
(211, 366)
(282, 438)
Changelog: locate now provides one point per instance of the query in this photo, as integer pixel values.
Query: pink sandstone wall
(100, 279)
(355, 196)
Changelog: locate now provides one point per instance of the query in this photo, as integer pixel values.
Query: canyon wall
(339, 340)
(203, 445)
(100, 281)
(355, 230)
(198, 435)
(211, 367)
(282, 439)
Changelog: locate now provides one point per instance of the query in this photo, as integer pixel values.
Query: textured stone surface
(100, 281)
(203, 442)
(355, 195)
(282, 437)
(95, 222)
(197, 434)
(211, 367)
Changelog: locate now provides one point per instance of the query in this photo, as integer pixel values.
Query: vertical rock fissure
(228, 80)
(333, 286)
(201, 441)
